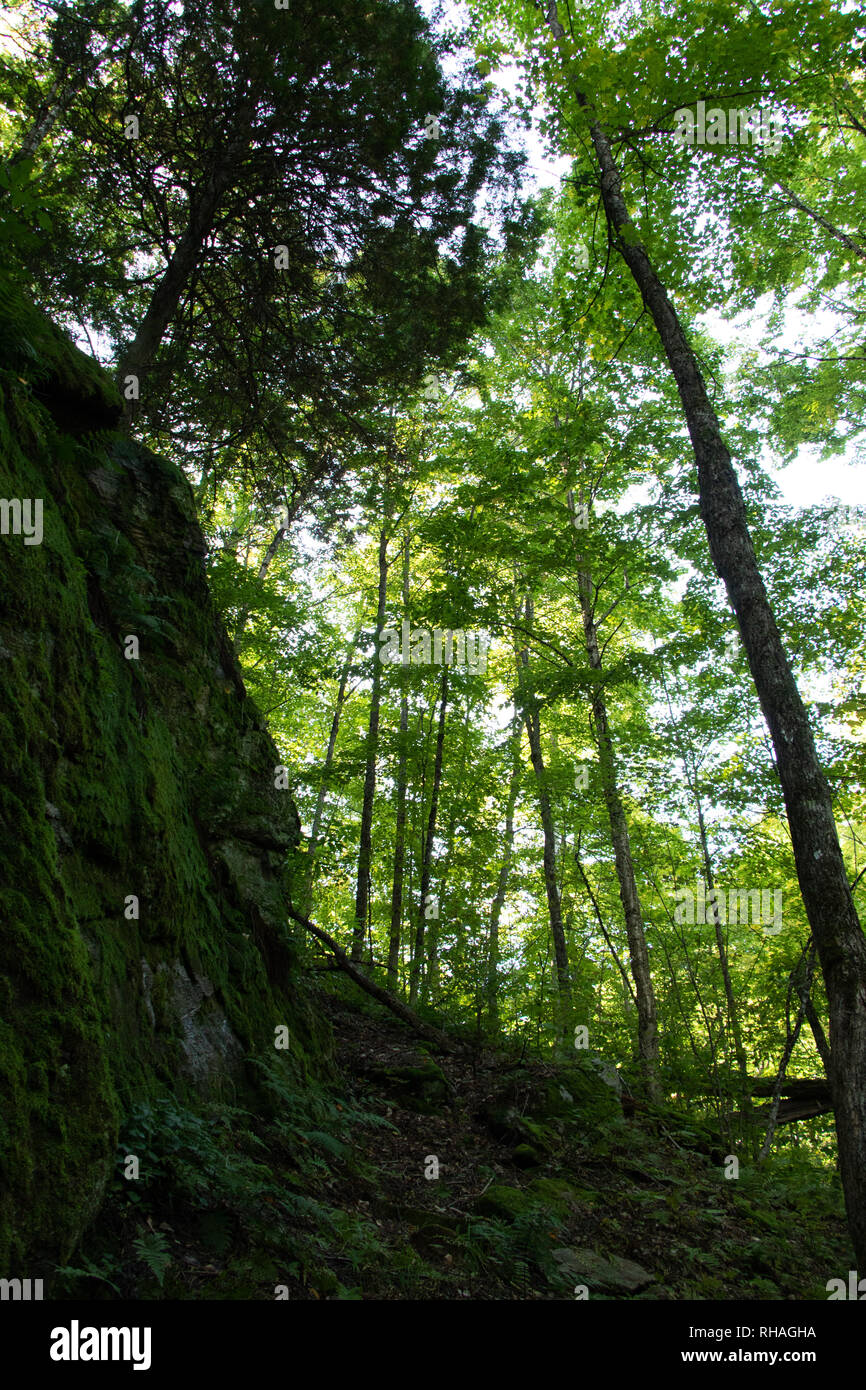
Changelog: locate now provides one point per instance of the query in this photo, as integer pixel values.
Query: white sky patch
(808, 479)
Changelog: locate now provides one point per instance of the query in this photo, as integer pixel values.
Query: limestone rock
(144, 847)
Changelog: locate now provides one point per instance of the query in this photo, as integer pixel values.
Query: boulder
(603, 1274)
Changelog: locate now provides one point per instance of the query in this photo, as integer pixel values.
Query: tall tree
(396, 923)
(493, 948)
(532, 721)
(820, 866)
(425, 904)
(362, 889)
(648, 1041)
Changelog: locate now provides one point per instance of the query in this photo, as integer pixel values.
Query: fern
(152, 1250)
(90, 1271)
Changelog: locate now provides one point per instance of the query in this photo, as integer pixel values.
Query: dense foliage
(418, 397)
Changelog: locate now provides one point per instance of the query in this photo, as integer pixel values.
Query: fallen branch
(383, 996)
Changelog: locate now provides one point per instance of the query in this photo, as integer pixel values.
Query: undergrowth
(227, 1203)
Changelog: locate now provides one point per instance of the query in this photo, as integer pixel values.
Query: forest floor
(479, 1176)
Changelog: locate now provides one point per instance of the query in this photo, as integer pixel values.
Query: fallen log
(803, 1099)
(384, 996)
(815, 1089)
(801, 1110)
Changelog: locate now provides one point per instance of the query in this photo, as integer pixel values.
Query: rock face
(143, 842)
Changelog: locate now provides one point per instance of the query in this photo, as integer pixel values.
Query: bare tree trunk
(329, 758)
(365, 849)
(647, 1017)
(400, 827)
(554, 906)
(427, 858)
(498, 903)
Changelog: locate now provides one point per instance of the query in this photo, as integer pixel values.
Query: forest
(432, 828)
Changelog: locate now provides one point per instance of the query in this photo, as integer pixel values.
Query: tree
(290, 238)
(820, 866)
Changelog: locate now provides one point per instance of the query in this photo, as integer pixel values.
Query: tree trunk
(66, 88)
(426, 1030)
(628, 994)
(59, 99)
(647, 1018)
(502, 882)
(691, 771)
(329, 758)
(365, 849)
(554, 906)
(820, 866)
(427, 860)
(180, 269)
(818, 856)
(803, 987)
(721, 948)
(400, 827)
(267, 559)
(430, 979)
(819, 1036)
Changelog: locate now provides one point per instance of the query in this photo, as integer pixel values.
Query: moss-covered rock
(539, 1106)
(557, 1196)
(143, 842)
(578, 1086)
(525, 1156)
(422, 1088)
(503, 1203)
(602, 1274)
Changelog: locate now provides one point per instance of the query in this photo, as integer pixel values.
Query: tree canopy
(610, 790)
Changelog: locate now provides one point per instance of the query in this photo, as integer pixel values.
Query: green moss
(540, 1136)
(42, 355)
(116, 785)
(556, 1195)
(525, 1156)
(423, 1089)
(503, 1203)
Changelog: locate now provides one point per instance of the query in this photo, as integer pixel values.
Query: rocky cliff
(143, 842)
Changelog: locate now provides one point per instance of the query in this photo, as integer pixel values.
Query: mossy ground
(332, 1200)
